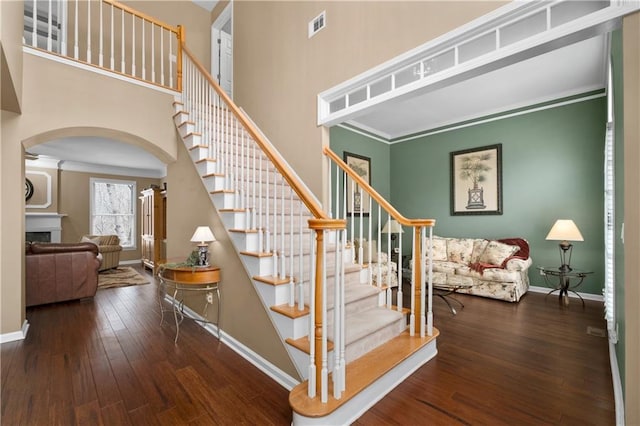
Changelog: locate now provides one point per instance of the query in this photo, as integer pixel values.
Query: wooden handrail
(298, 187)
(142, 15)
(374, 194)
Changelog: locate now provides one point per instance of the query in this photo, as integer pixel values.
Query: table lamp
(392, 227)
(203, 236)
(564, 230)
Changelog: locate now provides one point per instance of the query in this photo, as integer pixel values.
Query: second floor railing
(108, 35)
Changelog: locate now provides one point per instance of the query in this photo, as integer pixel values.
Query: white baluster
(133, 45)
(153, 53)
(113, 37)
(34, 20)
(263, 237)
(337, 325)
(144, 52)
(430, 285)
(275, 224)
(76, 51)
(170, 58)
(162, 56)
(100, 47)
(63, 8)
(389, 251)
(292, 285)
(283, 257)
(89, 32)
(422, 282)
(122, 37)
(311, 390)
(379, 239)
(49, 28)
(254, 204)
(324, 373)
(399, 272)
(412, 315)
(343, 314)
(300, 260)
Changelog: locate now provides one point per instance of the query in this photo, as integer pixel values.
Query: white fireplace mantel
(45, 222)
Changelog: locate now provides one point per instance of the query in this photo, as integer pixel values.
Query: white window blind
(609, 234)
(113, 209)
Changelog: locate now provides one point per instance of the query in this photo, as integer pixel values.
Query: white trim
(49, 190)
(16, 335)
(585, 296)
(43, 162)
(254, 358)
(366, 131)
(76, 166)
(501, 117)
(130, 262)
(95, 69)
(618, 393)
(363, 130)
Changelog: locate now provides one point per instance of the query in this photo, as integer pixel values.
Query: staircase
(325, 306)
(335, 315)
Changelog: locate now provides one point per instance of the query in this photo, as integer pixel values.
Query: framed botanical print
(476, 181)
(357, 199)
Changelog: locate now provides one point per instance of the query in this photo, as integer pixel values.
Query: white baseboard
(259, 362)
(16, 335)
(618, 394)
(585, 296)
(130, 262)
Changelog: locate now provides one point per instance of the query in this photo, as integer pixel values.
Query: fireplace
(44, 227)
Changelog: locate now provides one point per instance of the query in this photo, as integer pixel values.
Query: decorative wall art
(476, 181)
(357, 199)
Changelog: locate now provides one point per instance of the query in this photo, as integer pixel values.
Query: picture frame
(357, 200)
(476, 181)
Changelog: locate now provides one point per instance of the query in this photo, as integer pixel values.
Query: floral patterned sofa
(376, 263)
(491, 268)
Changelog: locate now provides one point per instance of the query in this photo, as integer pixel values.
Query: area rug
(121, 276)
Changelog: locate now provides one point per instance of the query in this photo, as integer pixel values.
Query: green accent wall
(552, 168)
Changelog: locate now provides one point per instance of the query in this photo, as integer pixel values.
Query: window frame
(134, 214)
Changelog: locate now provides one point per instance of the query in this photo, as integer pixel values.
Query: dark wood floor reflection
(108, 361)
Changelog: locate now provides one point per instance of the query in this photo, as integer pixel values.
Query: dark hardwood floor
(108, 361)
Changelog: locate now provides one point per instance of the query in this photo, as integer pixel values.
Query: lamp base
(203, 255)
(565, 247)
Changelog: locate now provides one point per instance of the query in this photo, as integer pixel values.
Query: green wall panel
(552, 167)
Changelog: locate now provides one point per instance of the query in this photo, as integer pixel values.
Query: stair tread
(361, 372)
(291, 311)
(270, 279)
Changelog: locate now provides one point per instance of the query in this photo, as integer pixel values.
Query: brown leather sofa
(56, 272)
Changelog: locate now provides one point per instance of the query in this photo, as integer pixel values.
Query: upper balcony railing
(108, 35)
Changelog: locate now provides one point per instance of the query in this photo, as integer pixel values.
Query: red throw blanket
(523, 254)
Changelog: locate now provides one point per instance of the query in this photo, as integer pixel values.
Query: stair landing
(370, 378)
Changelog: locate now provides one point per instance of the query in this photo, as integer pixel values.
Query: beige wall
(278, 71)
(11, 54)
(75, 203)
(631, 70)
(243, 315)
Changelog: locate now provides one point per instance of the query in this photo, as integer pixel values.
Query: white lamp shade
(564, 230)
(203, 235)
(392, 227)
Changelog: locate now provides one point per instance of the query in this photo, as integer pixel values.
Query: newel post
(320, 349)
(181, 38)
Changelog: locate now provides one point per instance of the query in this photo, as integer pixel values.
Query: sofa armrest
(109, 249)
(516, 264)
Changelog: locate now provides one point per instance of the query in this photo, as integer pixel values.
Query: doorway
(222, 50)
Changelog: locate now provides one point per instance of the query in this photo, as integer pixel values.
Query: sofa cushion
(496, 253)
(439, 248)
(478, 248)
(459, 250)
(446, 267)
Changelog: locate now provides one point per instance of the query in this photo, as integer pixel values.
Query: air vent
(317, 23)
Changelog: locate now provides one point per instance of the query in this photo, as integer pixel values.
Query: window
(113, 209)
(609, 221)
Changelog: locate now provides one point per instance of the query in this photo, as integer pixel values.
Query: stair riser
(192, 140)
(206, 167)
(294, 328)
(185, 128)
(213, 183)
(199, 152)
